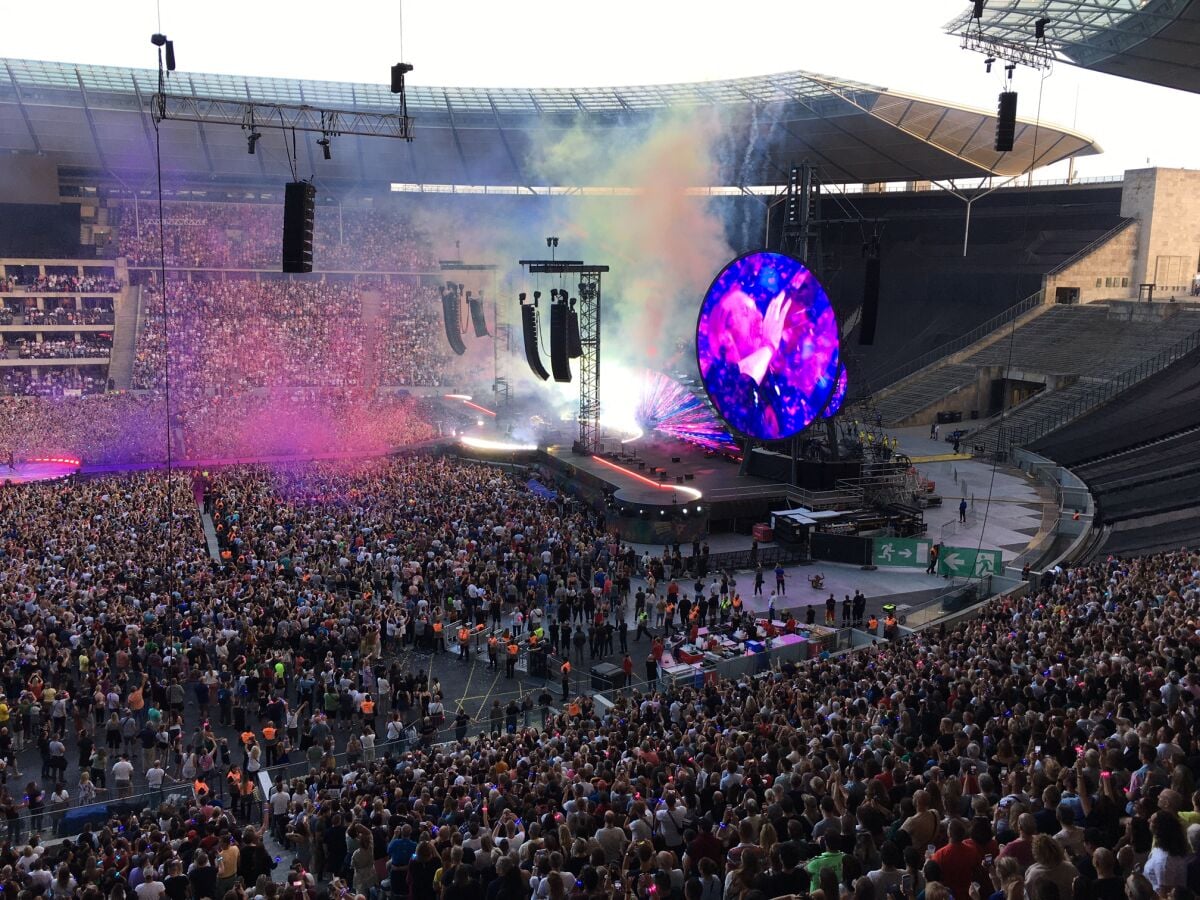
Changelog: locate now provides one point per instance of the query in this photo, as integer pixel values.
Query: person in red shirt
(959, 860)
(627, 668)
(982, 841)
(1022, 848)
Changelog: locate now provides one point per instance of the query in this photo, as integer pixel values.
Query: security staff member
(565, 669)
(511, 662)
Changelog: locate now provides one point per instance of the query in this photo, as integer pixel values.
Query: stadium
(682, 487)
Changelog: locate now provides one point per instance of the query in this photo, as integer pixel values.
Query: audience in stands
(233, 336)
(50, 347)
(52, 382)
(105, 428)
(247, 236)
(65, 284)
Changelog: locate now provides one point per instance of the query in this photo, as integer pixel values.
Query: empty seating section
(923, 390)
(1141, 460)
(1083, 341)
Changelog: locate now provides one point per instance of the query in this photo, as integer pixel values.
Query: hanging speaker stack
(299, 210)
(529, 330)
(1006, 121)
(560, 363)
(574, 344)
(475, 306)
(452, 317)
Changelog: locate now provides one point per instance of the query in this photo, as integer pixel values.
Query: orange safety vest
(574, 709)
(269, 733)
(513, 649)
(463, 635)
(566, 668)
(737, 602)
(368, 707)
(247, 737)
(437, 627)
(492, 642)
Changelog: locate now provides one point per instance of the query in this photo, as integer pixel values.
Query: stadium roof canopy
(96, 120)
(1157, 41)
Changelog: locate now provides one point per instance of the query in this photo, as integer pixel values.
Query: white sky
(891, 43)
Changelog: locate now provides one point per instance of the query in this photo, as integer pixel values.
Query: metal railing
(924, 187)
(1091, 248)
(939, 353)
(1096, 395)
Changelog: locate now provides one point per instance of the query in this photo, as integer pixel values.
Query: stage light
(486, 444)
(987, 64)
(251, 141)
(1039, 28)
(323, 143)
(399, 70)
(978, 13)
(170, 48)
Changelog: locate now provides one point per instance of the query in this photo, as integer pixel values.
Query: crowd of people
(64, 314)
(233, 336)
(63, 283)
(1046, 749)
(247, 236)
(52, 381)
(412, 349)
(50, 347)
(97, 427)
(299, 422)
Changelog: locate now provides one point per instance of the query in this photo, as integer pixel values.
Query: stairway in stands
(922, 390)
(1107, 354)
(125, 334)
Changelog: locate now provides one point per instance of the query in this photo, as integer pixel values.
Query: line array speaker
(529, 330)
(299, 209)
(870, 304)
(452, 317)
(560, 364)
(475, 305)
(1006, 121)
(574, 343)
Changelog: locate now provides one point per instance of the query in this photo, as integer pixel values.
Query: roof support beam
(142, 116)
(518, 174)
(358, 145)
(37, 145)
(203, 137)
(462, 157)
(87, 112)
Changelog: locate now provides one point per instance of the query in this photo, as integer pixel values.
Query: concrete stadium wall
(1107, 273)
(1167, 204)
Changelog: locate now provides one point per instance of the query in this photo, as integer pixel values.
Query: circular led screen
(767, 345)
(839, 395)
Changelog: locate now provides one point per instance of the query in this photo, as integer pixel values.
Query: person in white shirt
(670, 816)
(280, 802)
(150, 888)
(122, 772)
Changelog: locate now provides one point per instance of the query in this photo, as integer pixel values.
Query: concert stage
(663, 490)
(39, 469)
